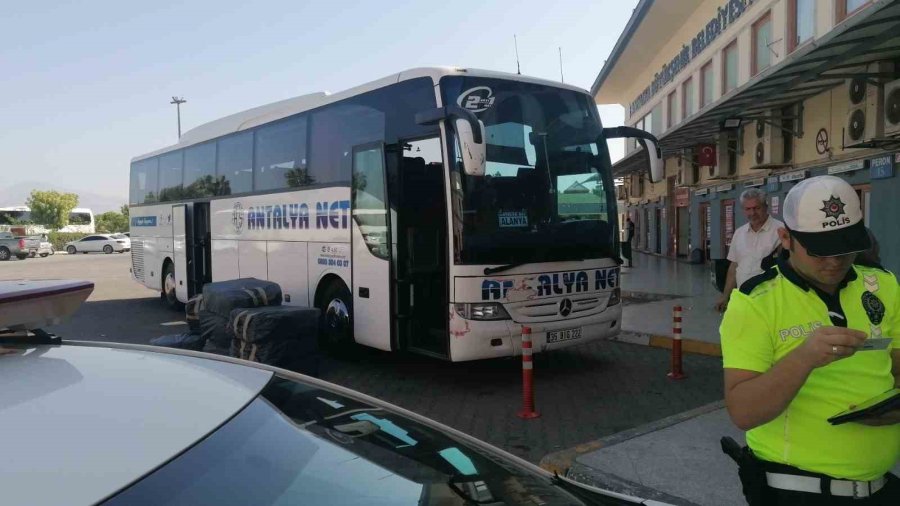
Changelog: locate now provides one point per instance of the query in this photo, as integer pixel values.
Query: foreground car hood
(82, 423)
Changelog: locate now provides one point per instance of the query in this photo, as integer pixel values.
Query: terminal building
(764, 94)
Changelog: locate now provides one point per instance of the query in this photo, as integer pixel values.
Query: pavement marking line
(560, 462)
(688, 345)
(695, 346)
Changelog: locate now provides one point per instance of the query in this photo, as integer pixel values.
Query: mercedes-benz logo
(565, 307)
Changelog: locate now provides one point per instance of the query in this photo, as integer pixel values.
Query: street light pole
(178, 101)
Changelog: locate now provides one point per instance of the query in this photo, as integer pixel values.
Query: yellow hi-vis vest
(771, 316)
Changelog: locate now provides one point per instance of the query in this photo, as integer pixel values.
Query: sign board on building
(753, 183)
(882, 167)
(704, 191)
(847, 167)
(725, 16)
(774, 207)
(727, 187)
(797, 175)
(772, 184)
(682, 197)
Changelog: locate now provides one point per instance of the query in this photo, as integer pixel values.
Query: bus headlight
(615, 298)
(482, 311)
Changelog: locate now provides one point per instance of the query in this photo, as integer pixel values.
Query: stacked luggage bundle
(244, 318)
(283, 336)
(222, 297)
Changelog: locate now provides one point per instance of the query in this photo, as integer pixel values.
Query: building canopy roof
(845, 52)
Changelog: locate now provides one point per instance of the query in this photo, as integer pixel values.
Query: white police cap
(824, 214)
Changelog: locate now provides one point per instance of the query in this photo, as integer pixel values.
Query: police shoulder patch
(758, 280)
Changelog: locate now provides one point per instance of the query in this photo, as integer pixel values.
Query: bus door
(191, 248)
(422, 277)
(181, 235)
(371, 248)
(200, 263)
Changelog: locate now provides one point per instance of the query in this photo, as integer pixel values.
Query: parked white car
(98, 243)
(123, 237)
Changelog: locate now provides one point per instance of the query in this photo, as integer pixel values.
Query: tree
(124, 210)
(112, 222)
(51, 208)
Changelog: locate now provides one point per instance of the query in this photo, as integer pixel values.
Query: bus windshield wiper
(493, 270)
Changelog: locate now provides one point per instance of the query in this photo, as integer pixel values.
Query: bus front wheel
(336, 317)
(167, 294)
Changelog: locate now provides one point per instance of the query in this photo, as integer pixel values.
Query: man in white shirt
(752, 242)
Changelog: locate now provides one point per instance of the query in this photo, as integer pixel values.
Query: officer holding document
(807, 342)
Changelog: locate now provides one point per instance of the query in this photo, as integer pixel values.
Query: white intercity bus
(81, 220)
(437, 210)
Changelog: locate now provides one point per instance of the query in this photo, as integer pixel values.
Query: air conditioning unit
(768, 141)
(865, 115)
(892, 108)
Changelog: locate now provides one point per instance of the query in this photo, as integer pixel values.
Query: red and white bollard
(676, 372)
(528, 412)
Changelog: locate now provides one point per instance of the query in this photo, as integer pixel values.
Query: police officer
(791, 346)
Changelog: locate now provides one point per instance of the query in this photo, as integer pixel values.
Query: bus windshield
(547, 192)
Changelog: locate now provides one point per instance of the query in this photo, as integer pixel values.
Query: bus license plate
(556, 336)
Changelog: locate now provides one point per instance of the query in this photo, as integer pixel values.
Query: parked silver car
(39, 245)
(98, 243)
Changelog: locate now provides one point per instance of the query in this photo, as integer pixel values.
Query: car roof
(82, 422)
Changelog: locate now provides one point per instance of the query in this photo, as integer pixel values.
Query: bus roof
(277, 110)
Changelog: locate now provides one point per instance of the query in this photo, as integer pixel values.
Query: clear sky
(87, 85)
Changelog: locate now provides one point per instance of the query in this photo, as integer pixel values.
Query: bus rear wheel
(336, 317)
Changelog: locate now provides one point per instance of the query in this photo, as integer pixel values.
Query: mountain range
(16, 195)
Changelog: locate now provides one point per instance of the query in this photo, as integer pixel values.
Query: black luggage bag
(282, 336)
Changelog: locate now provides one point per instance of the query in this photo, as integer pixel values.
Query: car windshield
(547, 193)
(296, 444)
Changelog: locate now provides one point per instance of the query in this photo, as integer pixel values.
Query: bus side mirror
(654, 160)
(469, 131)
(655, 163)
(472, 152)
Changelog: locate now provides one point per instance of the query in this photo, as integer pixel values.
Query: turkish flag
(706, 154)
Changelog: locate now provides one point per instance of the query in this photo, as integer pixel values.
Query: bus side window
(281, 156)
(235, 163)
(144, 181)
(170, 176)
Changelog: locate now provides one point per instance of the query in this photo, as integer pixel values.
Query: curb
(560, 462)
(694, 346)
